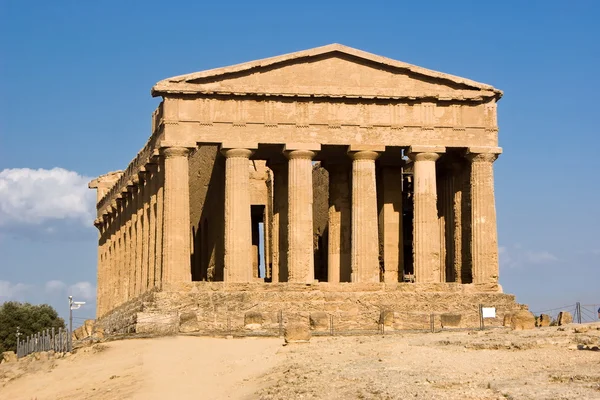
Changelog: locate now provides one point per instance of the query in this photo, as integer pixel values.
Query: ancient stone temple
(329, 180)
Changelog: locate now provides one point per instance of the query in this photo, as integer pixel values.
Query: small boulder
(9, 356)
(319, 321)
(544, 320)
(522, 320)
(564, 318)
(296, 332)
(253, 320)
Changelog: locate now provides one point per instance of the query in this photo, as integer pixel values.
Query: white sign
(77, 304)
(488, 312)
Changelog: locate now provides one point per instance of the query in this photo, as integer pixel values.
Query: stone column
(300, 216)
(139, 229)
(339, 247)
(365, 231)
(128, 232)
(426, 231)
(158, 273)
(391, 223)
(145, 184)
(238, 229)
(101, 266)
(176, 229)
(109, 295)
(152, 178)
(279, 224)
(484, 236)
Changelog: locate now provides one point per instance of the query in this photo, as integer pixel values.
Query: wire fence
(46, 340)
(582, 313)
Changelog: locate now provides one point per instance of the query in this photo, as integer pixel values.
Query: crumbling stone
(319, 321)
(297, 332)
(544, 320)
(522, 320)
(564, 318)
(9, 356)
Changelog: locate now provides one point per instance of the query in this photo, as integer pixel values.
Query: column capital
(299, 154)
(237, 153)
(483, 154)
(424, 156)
(175, 151)
(364, 155)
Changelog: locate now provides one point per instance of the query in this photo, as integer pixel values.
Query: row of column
(144, 234)
(293, 226)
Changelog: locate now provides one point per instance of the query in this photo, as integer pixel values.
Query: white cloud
(83, 290)
(517, 256)
(540, 257)
(12, 291)
(55, 287)
(43, 199)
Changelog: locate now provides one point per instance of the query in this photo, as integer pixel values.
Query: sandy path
(163, 368)
(493, 365)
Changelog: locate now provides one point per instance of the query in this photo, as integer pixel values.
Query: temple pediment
(329, 71)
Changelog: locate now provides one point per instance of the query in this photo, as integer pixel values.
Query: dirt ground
(545, 363)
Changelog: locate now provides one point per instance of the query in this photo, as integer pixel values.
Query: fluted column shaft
(152, 225)
(139, 245)
(280, 218)
(238, 225)
(339, 224)
(158, 273)
(145, 185)
(300, 217)
(426, 233)
(484, 236)
(365, 231)
(176, 231)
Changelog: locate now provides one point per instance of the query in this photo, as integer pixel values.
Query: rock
(544, 320)
(43, 356)
(88, 327)
(522, 320)
(507, 318)
(320, 321)
(297, 332)
(564, 318)
(253, 320)
(581, 329)
(450, 320)
(188, 322)
(9, 356)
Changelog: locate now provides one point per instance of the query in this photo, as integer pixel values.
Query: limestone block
(297, 332)
(450, 320)
(409, 320)
(387, 318)
(88, 327)
(507, 319)
(157, 323)
(319, 321)
(43, 356)
(564, 318)
(9, 356)
(188, 322)
(522, 320)
(544, 320)
(253, 318)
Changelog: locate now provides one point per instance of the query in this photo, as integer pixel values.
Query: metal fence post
(280, 323)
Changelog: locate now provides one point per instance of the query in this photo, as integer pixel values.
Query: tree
(29, 318)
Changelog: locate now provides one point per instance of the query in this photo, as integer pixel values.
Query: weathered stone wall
(221, 308)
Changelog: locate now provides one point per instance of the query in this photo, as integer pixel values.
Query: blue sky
(76, 79)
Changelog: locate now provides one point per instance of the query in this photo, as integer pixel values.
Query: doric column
(158, 272)
(139, 229)
(176, 229)
(339, 234)
(127, 248)
(365, 232)
(390, 223)
(484, 236)
(152, 178)
(112, 260)
(238, 229)
(300, 216)
(426, 231)
(145, 185)
(279, 225)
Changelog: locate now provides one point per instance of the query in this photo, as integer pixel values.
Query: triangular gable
(329, 71)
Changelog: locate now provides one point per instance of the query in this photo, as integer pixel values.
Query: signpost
(73, 305)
